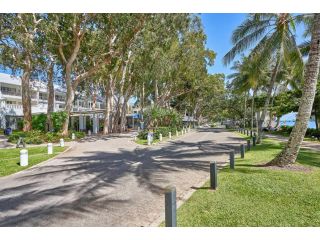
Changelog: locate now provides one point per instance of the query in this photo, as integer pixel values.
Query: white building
(11, 103)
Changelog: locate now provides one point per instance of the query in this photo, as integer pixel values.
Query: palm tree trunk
(271, 105)
(266, 105)
(252, 108)
(290, 152)
(245, 110)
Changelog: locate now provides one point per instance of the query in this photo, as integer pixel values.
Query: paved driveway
(111, 181)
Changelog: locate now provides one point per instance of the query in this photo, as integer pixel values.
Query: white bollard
(89, 132)
(149, 141)
(177, 133)
(135, 138)
(169, 135)
(50, 150)
(24, 157)
(160, 137)
(73, 136)
(61, 142)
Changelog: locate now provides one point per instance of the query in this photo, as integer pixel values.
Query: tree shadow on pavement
(84, 186)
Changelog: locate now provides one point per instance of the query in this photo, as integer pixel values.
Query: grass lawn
(257, 196)
(10, 158)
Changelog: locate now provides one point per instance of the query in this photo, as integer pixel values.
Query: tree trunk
(50, 108)
(290, 152)
(266, 105)
(245, 110)
(123, 119)
(142, 102)
(69, 100)
(156, 92)
(26, 101)
(106, 121)
(252, 108)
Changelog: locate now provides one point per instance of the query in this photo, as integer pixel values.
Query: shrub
(58, 119)
(52, 137)
(157, 116)
(34, 140)
(143, 134)
(39, 122)
(13, 137)
(78, 134)
(163, 130)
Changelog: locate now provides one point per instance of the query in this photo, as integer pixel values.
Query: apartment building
(11, 103)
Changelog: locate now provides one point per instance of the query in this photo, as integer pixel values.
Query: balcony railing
(13, 106)
(11, 93)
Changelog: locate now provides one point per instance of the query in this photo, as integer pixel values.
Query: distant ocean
(290, 119)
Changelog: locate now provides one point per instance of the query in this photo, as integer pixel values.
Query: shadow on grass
(308, 157)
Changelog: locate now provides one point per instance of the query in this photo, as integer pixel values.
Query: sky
(218, 28)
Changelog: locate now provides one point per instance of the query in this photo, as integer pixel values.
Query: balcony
(11, 93)
(13, 106)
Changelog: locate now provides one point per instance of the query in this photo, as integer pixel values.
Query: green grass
(10, 158)
(256, 196)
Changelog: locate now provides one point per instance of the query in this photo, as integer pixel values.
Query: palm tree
(290, 152)
(249, 75)
(273, 38)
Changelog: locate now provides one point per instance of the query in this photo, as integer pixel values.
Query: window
(42, 96)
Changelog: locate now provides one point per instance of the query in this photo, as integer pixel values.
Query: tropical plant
(273, 38)
(290, 152)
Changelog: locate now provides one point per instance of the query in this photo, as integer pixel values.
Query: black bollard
(254, 141)
(242, 150)
(170, 207)
(248, 145)
(213, 175)
(232, 160)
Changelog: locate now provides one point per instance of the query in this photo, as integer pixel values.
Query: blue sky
(219, 27)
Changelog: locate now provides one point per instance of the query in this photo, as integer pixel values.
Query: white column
(80, 122)
(94, 124)
(84, 122)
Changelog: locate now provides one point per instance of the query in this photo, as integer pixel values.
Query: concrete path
(305, 144)
(111, 181)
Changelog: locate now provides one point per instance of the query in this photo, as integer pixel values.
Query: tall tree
(273, 38)
(18, 34)
(289, 154)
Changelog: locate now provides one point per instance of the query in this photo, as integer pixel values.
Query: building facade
(11, 103)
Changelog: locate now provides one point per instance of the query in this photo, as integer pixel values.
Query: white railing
(13, 106)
